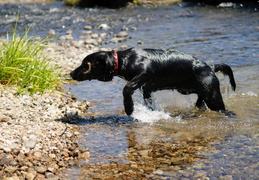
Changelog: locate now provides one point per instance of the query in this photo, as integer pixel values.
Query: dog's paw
(228, 113)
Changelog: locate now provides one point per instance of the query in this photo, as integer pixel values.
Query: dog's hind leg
(212, 96)
(200, 103)
(148, 99)
(214, 101)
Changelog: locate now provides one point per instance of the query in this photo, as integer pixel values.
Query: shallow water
(204, 144)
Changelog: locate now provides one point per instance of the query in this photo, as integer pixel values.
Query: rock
(140, 42)
(30, 137)
(122, 34)
(4, 160)
(12, 178)
(49, 175)
(117, 40)
(77, 44)
(88, 27)
(92, 42)
(69, 31)
(159, 171)
(66, 37)
(84, 155)
(61, 164)
(226, 177)
(102, 35)
(38, 154)
(51, 32)
(104, 27)
(40, 169)
(31, 174)
(10, 169)
(124, 47)
(30, 142)
(94, 36)
(13, 163)
(7, 149)
(133, 28)
(144, 153)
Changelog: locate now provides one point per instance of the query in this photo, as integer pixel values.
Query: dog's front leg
(129, 89)
(128, 102)
(147, 99)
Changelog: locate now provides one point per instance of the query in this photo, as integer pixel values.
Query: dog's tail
(226, 70)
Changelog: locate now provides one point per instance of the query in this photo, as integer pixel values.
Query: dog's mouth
(80, 74)
(82, 77)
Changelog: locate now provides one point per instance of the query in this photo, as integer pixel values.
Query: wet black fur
(153, 69)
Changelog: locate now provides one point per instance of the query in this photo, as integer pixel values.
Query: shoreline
(33, 143)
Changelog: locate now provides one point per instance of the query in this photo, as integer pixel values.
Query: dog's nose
(72, 74)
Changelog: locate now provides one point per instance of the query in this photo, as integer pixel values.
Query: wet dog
(154, 69)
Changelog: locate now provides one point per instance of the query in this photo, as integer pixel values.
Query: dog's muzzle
(72, 73)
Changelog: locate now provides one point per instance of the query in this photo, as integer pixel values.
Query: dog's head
(99, 65)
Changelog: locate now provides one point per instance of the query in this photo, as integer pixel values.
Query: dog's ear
(107, 59)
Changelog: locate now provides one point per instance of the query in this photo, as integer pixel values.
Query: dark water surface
(210, 145)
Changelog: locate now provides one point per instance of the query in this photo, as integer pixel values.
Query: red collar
(116, 67)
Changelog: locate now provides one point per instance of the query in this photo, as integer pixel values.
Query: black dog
(152, 70)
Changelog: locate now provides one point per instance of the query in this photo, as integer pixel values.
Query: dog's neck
(116, 67)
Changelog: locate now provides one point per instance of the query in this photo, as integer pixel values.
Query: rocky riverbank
(34, 144)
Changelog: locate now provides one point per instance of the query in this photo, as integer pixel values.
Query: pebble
(40, 169)
(160, 172)
(122, 34)
(140, 42)
(52, 32)
(32, 136)
(69, 31)
(88, 27)
(30, 142)
(13, 163)
(117, 39)
(92, 42)
(49, 175)
(7, 149)
(12, 178)
(4, 160)
(104, 27)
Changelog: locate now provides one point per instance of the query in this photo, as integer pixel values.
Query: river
(175, 141)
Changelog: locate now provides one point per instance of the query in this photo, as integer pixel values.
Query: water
(175, 141)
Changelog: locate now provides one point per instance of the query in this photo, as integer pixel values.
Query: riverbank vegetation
(122, 3)
(23, 64)
(116, 3)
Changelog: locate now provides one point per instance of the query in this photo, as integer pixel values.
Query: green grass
(23, 64)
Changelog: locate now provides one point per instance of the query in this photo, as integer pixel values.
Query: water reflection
(203, 145)
(122, 147)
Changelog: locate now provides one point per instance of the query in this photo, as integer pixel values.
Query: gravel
(34, 143)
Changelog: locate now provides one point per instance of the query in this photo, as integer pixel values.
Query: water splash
(143, 114)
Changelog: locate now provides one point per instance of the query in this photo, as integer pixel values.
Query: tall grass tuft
(23, 64)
